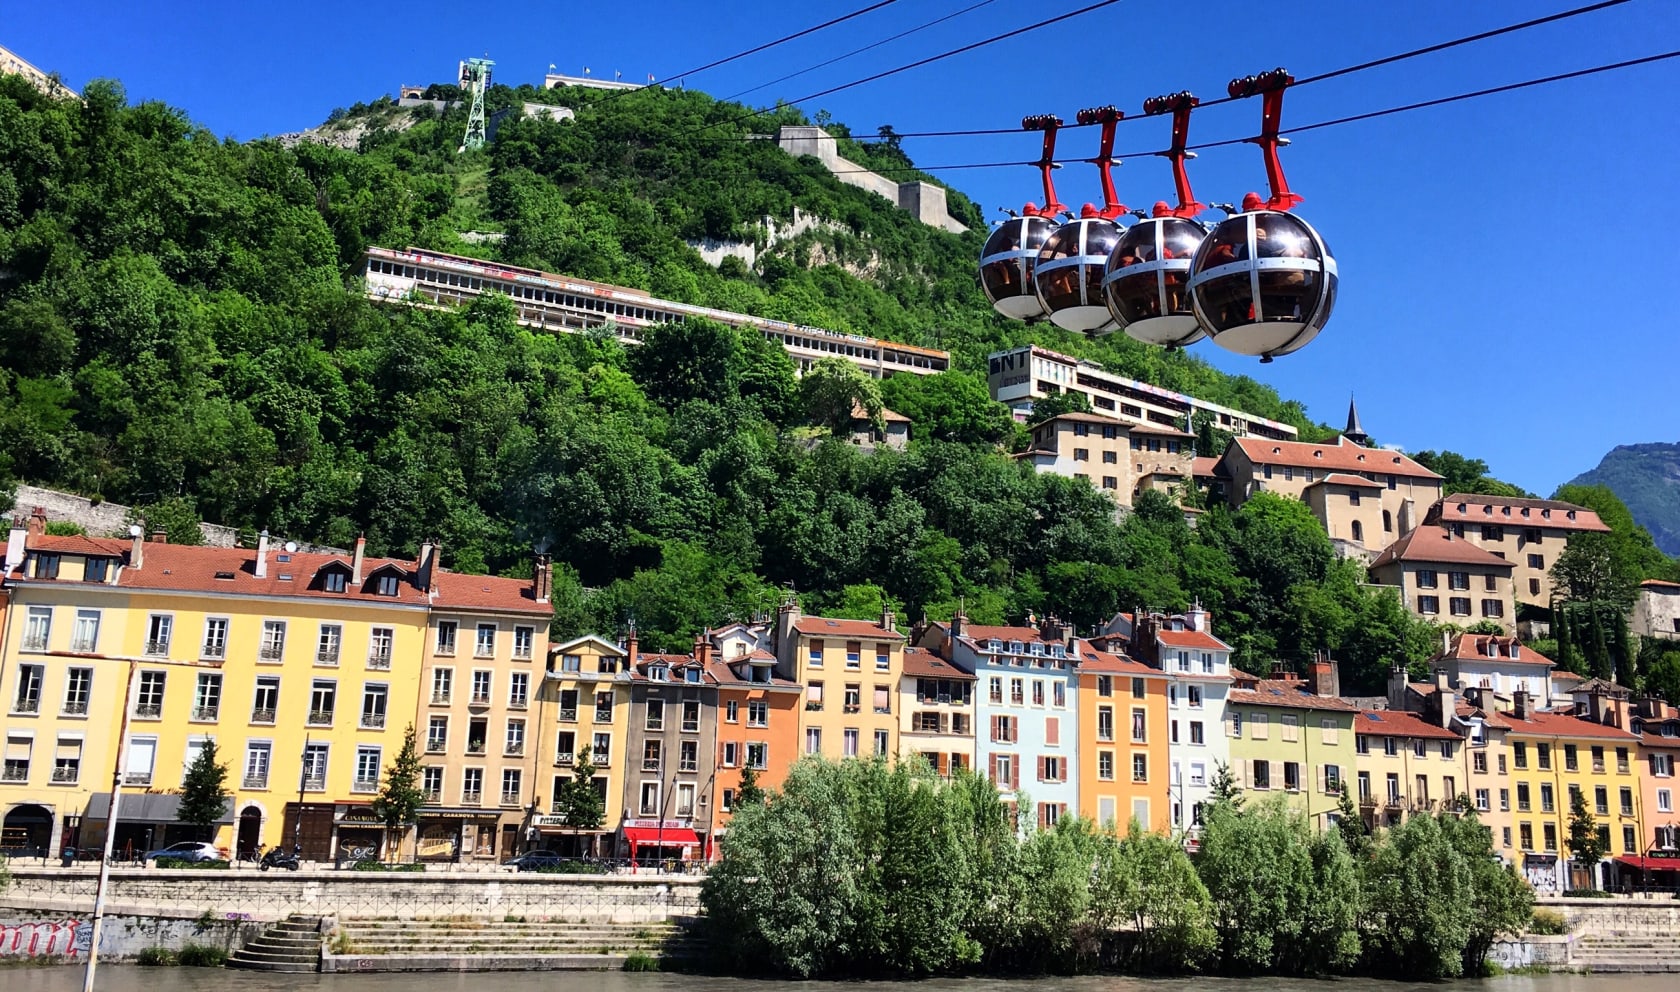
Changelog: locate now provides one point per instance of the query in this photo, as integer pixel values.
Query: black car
(533, 860)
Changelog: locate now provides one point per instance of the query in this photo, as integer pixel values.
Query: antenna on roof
(134, 530)
(291, 547)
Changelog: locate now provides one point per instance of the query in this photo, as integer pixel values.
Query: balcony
(373, 721)
(655, 725)
(688, 765)
(852, 708)
(320, 718)
(479, 699)
(445, 650)
(1598, 767)
(603, 715)
(327, 658)
(510, 798)
(214, 650)
(157, 649)
(883, 709)
(1394, 802)
(436, 745)
(254, 782)
(484, 652)
(811, 707)
(379, 661)
(522, 653)
(433, 796)
(1367, 802)
(514, 748)
(271, 653)
(472, 798)
(517, 703)
(205, 714)
(570, 715)
(315, 783)
(66, 776)
(27, 706)
(364, 785)
(34, 644)
(650, 764)
(14, 773)
(262, 716)
(82, 645)
(137, 778)
(148, 711)
(440, 698)
(475, 747)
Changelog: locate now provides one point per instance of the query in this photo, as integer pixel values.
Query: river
(130, 978)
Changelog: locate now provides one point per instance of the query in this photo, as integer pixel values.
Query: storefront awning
(1640, 862)
(654, 837)
(144, 807)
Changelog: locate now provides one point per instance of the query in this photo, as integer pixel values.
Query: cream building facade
(1529, 533)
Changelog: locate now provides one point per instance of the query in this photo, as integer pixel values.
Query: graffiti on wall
(45, 939)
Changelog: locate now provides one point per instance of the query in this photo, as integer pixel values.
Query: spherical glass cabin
(1006, 266)
(1263, 283)
(1070, 271)
(1147, 285)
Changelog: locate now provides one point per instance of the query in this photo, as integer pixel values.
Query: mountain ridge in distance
(1646, 477)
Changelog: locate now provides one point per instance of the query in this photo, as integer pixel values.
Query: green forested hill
(1647, 478)
(180, 329)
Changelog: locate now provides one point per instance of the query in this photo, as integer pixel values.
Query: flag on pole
(551, 67)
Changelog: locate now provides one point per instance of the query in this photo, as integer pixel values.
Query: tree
(1586, 846)
(577, 803)
(1501, 903)
(1460, 474)
(1056, 404)
(399, 800)
(749, 791)
(1421, 907)
(833, 389)
(1222, 788)
(950, 406)
(204, 794)
(1355, 836)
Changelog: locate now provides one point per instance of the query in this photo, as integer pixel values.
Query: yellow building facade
(850, 670)
(583, 702)
(1405, 765)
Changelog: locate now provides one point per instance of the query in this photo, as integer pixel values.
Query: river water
(130, 978)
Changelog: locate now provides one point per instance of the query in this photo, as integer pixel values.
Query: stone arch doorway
(27, 830)
(249, 837)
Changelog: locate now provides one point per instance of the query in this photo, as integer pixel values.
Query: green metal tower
(475, 79)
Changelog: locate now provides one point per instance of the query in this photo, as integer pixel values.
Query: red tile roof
(1399, 723)
(76, 544)
(460, 591)
(1433, 545)
(1490, 718)
(1566, 676)
(824, 627)
(1491, 647)
(858, 413)
(1204, 468)
(720, 673)
(1289, 694)
(1471, 508)
(1548, 724)
(1341, 456)
(1199, 639)
(1109, 663)
(981, 632)
(922, 663)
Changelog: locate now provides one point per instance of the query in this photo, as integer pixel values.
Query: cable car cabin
(1006, 266)
(1147, 285)
(1069, 275)
(1263, 283)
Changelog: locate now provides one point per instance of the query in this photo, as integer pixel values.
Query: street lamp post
(303, 780)
(110, 832)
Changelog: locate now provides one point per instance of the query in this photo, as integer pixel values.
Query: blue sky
(1485, 307)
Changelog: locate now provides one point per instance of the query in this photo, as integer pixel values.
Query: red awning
(669, 837)
(1639, 862)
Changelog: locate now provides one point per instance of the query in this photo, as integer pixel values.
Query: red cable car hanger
(1108, 117)
(1048, 123)
(1271, 85)
(1179, 104)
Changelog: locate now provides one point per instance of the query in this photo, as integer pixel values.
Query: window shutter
(1239, 774)
(994, 723)
(1052, 730)
(1041, 768)
(991, 766)
(1653, 759)
(1015, 775)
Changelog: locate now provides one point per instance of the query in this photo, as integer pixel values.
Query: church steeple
(1354, 432)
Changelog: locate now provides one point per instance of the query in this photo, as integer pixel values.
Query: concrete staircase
(1624, 951)
(510, 944)
(293, 944)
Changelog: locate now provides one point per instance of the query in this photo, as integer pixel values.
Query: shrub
(202, 956)
(155, 957)
(217, 865)
(638, 961)
(573, 868)
(1547, 921)
(1586, 894)
(371, 865)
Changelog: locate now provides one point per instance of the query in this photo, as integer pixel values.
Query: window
(159, 627)
(513, 742)
(854, 655)
(1195, 731)
(1082, 454)
(1290, 726)
(1017, 692)
(1448, 749)
(1547, 798)
(1259, 726)
(472, 786)
(1523, 798)
(1504, 800)
(322, 696)
(326, 649)
(1544, 752)
(315, 767)
(273, 647)
(481, 688)
(1051, 769)
(374, 696)
(758, 713)
(883, 658)
(883, 699)
(443, 684)
(603, 707)
(38, 629)
(1292, 776)
(1195, 695)
(1460, 606)
(814, 652)
(84, 638)
(1361, 744)
(1662, 765)
(1364, 786)
(46, 566)
(571, 663)
(688, 756)
(655, 717)
(1665, 800)
(813, 740)
(1327, 731)
(651, 756)
(758, 755)
(1429, 605)
(1262, 777)
(519, 689)
(849, 742)
(1571, 760)
(257, 754)
(523, 639)
(1426, 578)
(367, 770)
(1038, 692)
(1140, 767)
(995, 689)
(854, 697)
(1137, 688)
(96, 569)
(388, 583)
(1622, 761)
(685, 799)
(148, 701)
(1519, 754)
(380, 641)
(1458, 580)
(510, 787)
(730, 754)
(1482, 800)
(28, 697)
(1420, 747)
(600, 752)
(1493, 608)
(78, 687)
(207, 696)
(446, 630)
(1393, 783)
(1601, 800)
(1551, 837)
(650, 799)
(1536, 561)
(215, 638)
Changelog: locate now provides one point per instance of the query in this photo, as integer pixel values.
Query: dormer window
(994, 645)
(334, 580)
(388, 585)
(1462, 508)
(96, 569)
(1035, 648)
(1014, 647)
(1570, 514)
(659, 673)
(1058, 651)
(1546, 512)
(691, 674)
(46, 566)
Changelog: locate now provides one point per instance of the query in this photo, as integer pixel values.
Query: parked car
(187, 850)
(532, 860)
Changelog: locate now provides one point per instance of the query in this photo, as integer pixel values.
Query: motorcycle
(278, 857)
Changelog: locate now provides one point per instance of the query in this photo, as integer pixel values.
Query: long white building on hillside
(561, 303)
(1020, 375)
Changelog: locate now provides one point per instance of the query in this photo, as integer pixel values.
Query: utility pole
(110, 831)
(303, 780)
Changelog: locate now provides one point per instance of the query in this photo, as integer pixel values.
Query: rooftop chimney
(1326, 675)
(1442, 683)
(703, 648)
(38, 521)
(959, 624)
(1519, 704)
(262, 555)
(1446, 707)
(136, 547)
(632, 655)
(542, 578)
(889, 619)
(1197, 618)
(356, 563)
(16, 543)
(158, 537)
(1398, 681)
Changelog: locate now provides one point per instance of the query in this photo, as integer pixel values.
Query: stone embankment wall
(46, 937)
(105, 519)
(262, 896)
